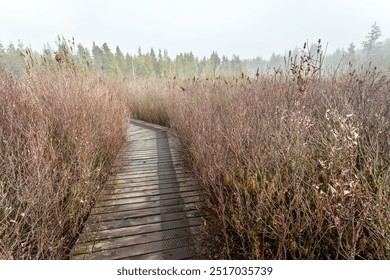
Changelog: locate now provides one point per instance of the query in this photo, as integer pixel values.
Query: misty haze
(195, 130)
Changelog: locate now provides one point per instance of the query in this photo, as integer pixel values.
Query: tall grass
(291, 174)
(149, 100)
(59, 132)
(294, 166)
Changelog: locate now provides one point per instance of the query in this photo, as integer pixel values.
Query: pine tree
(167, 70)
(97, 54)
(13, 59)
(110, 67)
(139, 64)
(120, 60)
(83, 55)
(225, 66)
(130, 65)
(351, 49)
(236, 65)
(151, 64)
(214, 61)
(204, 68)
(179, 65)
(159, 64)
(192, 63)
(351, 53)
(371, 45)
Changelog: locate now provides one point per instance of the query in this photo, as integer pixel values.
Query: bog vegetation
(295, 163)
(60, 130)
(293, 168)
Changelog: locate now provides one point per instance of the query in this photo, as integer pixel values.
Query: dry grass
(292, 175)
(59, 134)
(289, 173)
(294, 167)
(149, 100)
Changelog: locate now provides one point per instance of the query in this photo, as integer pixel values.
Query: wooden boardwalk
(149, 208)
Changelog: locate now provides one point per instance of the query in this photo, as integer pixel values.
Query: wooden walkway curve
(149, 208)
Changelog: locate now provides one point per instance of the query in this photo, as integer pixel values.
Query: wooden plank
(149, 198)
(134, 182)
(151, 167)
(144, 205)
(142, 220)
(142, 162)
(171, 254)
(118, 189)
(119, 242)
(150, 206)
(150, 192)
(129, 178)
(133, 251)
(138, 229)
(94, 218)
(149, 172)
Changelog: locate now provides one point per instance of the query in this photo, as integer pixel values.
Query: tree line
(158, 64)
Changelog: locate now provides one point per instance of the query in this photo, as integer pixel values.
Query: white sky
(248, 28)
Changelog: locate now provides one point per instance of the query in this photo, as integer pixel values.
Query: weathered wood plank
(138, 229)
(117, 189)
(150, 206)
(133, 183)
(133, 251)
(171, 194)
(124, 178)
(145, 205)
(150, 192)
(137, 221)
(119, 242)
(140, 213)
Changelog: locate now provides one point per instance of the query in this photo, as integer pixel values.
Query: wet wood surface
(149, 208)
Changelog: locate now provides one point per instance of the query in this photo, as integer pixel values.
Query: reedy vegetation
(60, 130)
(294, 165)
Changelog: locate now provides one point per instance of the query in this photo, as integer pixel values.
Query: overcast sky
(249, 28)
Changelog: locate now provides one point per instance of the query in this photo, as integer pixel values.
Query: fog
(247, 28)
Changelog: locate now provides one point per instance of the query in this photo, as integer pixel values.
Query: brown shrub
(291, 175)
(59, 134)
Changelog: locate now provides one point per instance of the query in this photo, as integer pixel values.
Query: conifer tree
(13, 59)
(214, 62)
(130, 65)
(120, 60)
(151, 64)
(139, 64)
(109, 62)
(97, 54)
(83, 55)
(371, 45)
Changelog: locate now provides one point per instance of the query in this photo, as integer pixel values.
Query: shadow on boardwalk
(149, 208)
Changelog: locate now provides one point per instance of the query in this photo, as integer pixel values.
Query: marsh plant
(60, 130)
(289, 172)
(294, 164)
